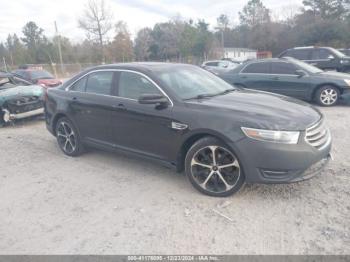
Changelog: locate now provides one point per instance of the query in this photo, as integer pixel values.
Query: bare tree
(97, 22)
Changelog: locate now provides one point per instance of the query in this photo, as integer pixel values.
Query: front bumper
(14, 116)
(274, 163)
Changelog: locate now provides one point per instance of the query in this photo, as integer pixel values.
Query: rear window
(40, 74)
(257, 68)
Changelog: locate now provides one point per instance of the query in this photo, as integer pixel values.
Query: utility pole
(221, 29)
(3, 59)
(59, 48)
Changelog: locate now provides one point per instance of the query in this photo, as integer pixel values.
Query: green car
(18, 98)
(290, 77)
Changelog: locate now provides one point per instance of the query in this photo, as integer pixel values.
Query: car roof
(282, 59)
(142, 66)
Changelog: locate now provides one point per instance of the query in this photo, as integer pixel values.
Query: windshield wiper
(227, 91)
(201, 96)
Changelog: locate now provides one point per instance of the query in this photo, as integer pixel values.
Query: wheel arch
(314, 91)
(57, 117)
(190, 140)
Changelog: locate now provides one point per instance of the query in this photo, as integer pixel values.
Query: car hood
(9, 93)
(334, 75)
(263, 110)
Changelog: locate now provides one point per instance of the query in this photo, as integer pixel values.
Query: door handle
(74, 98)
(120, 106)
(275, 78)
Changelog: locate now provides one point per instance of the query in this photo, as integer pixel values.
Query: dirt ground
(107, 203)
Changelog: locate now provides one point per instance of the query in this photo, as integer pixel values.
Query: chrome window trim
(118, 70)
(240, 72)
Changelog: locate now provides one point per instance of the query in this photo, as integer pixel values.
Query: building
(239, 54)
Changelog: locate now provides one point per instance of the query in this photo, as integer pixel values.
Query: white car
(219, 66)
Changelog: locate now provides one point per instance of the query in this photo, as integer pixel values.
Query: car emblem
(178, 126)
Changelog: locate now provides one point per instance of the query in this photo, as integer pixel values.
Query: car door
(91, 106)
(324, 59)
(285, 81)
(141, 128)
(255, 76)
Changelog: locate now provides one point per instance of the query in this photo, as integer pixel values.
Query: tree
(254, 13)
(33, 38)
(143, 43)
(17, 52)
(121, 48)
(97, 22)
(223, 21)
(328, 9)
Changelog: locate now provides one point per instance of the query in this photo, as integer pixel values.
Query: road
(108, 203)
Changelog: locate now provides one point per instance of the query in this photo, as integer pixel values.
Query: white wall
(240, 56)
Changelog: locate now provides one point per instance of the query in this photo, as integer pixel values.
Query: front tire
(213, 168)
(327, 96)
(68, 137)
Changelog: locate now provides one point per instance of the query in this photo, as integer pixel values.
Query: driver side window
(132, 86)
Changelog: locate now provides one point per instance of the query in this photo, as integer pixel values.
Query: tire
(68, 138)
(327, 96)
(205, 173)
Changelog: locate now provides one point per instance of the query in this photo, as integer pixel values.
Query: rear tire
(68, 137)
(213, 168)
(327, 95)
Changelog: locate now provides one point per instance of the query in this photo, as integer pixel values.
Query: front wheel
(327, 96)
(213, 168)
(68, 137)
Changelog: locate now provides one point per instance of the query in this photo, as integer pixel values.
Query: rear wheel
(213, 168)
(327, 96)
(68, 137)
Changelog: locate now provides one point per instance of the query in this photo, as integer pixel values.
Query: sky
(14, 14)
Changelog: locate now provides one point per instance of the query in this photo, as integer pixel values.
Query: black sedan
(291, 77)
(187, 118)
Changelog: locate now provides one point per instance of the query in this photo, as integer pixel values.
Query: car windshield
(307, 67)
(5, 83)
(192, 82)
(337, 52)
(40, 74)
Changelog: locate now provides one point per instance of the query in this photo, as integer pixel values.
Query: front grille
(318, 135)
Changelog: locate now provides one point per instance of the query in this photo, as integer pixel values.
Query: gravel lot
(105, 203)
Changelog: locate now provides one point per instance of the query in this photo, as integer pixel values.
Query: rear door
(144, 129)
(256, 76)
(91, 106)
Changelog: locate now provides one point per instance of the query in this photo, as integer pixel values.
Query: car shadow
(345, 100)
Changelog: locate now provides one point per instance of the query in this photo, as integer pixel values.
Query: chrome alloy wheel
(215, 169)
(328, 96)
(66, 137)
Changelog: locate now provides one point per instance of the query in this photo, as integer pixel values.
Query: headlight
(344, 61)
(285, 137)
(347, 81)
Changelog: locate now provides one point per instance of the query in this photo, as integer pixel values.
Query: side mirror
(153, 99)
(300, 73)
(331, 57)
